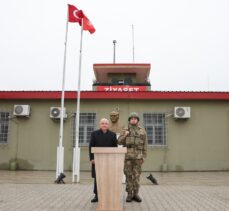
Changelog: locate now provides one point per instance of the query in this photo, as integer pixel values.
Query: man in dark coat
(100, 138)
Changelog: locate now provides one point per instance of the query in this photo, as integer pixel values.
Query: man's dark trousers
(100, 139)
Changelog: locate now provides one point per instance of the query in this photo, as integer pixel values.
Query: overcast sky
(186, 42)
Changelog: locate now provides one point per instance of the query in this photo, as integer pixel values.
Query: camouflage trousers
(132, 170)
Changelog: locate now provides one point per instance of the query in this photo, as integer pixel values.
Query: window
(128, 81)
(120, 82)
(114, 81)
(4, 127)
(155, 126)
(87, 125)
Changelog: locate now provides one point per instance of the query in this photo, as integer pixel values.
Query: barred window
(87, 125)
(155, 127)
(4, 127)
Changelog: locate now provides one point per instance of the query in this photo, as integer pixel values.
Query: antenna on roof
(133, 40)
(114, 42)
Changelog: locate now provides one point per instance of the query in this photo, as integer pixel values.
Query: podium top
(109, 150)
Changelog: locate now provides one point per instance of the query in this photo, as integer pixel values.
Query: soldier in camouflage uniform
(135, 139)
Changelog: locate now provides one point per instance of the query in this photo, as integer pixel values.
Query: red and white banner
(74, 15)
(121, 88)
(87, 25)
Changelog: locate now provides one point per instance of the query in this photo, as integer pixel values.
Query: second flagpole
(76, 148)
(60, 148)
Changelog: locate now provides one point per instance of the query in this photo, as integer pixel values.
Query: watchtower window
(114, 81)
(120, 82)
(128, 81)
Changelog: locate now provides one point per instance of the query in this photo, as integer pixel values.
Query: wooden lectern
(109, 164)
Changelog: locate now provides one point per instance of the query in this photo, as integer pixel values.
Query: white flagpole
(76, 149)
(60, 148)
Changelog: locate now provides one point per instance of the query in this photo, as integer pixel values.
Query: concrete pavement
(34, 190)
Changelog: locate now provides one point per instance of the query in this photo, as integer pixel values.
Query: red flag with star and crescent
(74, 14)
(87, 25)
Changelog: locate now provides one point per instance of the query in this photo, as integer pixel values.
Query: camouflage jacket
(136, 142)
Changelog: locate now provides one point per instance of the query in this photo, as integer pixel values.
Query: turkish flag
(87, 25)
(74, 15)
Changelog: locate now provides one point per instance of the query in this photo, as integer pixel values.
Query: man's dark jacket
(100, 139)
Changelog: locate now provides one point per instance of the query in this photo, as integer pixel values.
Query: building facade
(187, 131)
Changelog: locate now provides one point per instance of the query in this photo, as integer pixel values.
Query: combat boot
(95, 199)
(129, 197)
(136, 197)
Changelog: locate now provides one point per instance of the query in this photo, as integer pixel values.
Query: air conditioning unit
(21, 110)
(182, 112)
(55, 113)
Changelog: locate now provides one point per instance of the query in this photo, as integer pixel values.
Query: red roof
(98, 95)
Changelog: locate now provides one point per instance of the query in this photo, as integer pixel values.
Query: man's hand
(127, 133)
(92, 161)
(141, 161)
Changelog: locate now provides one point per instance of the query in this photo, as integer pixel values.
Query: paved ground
(34, 190)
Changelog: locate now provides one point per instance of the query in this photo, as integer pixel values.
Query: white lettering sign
(121, 89)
